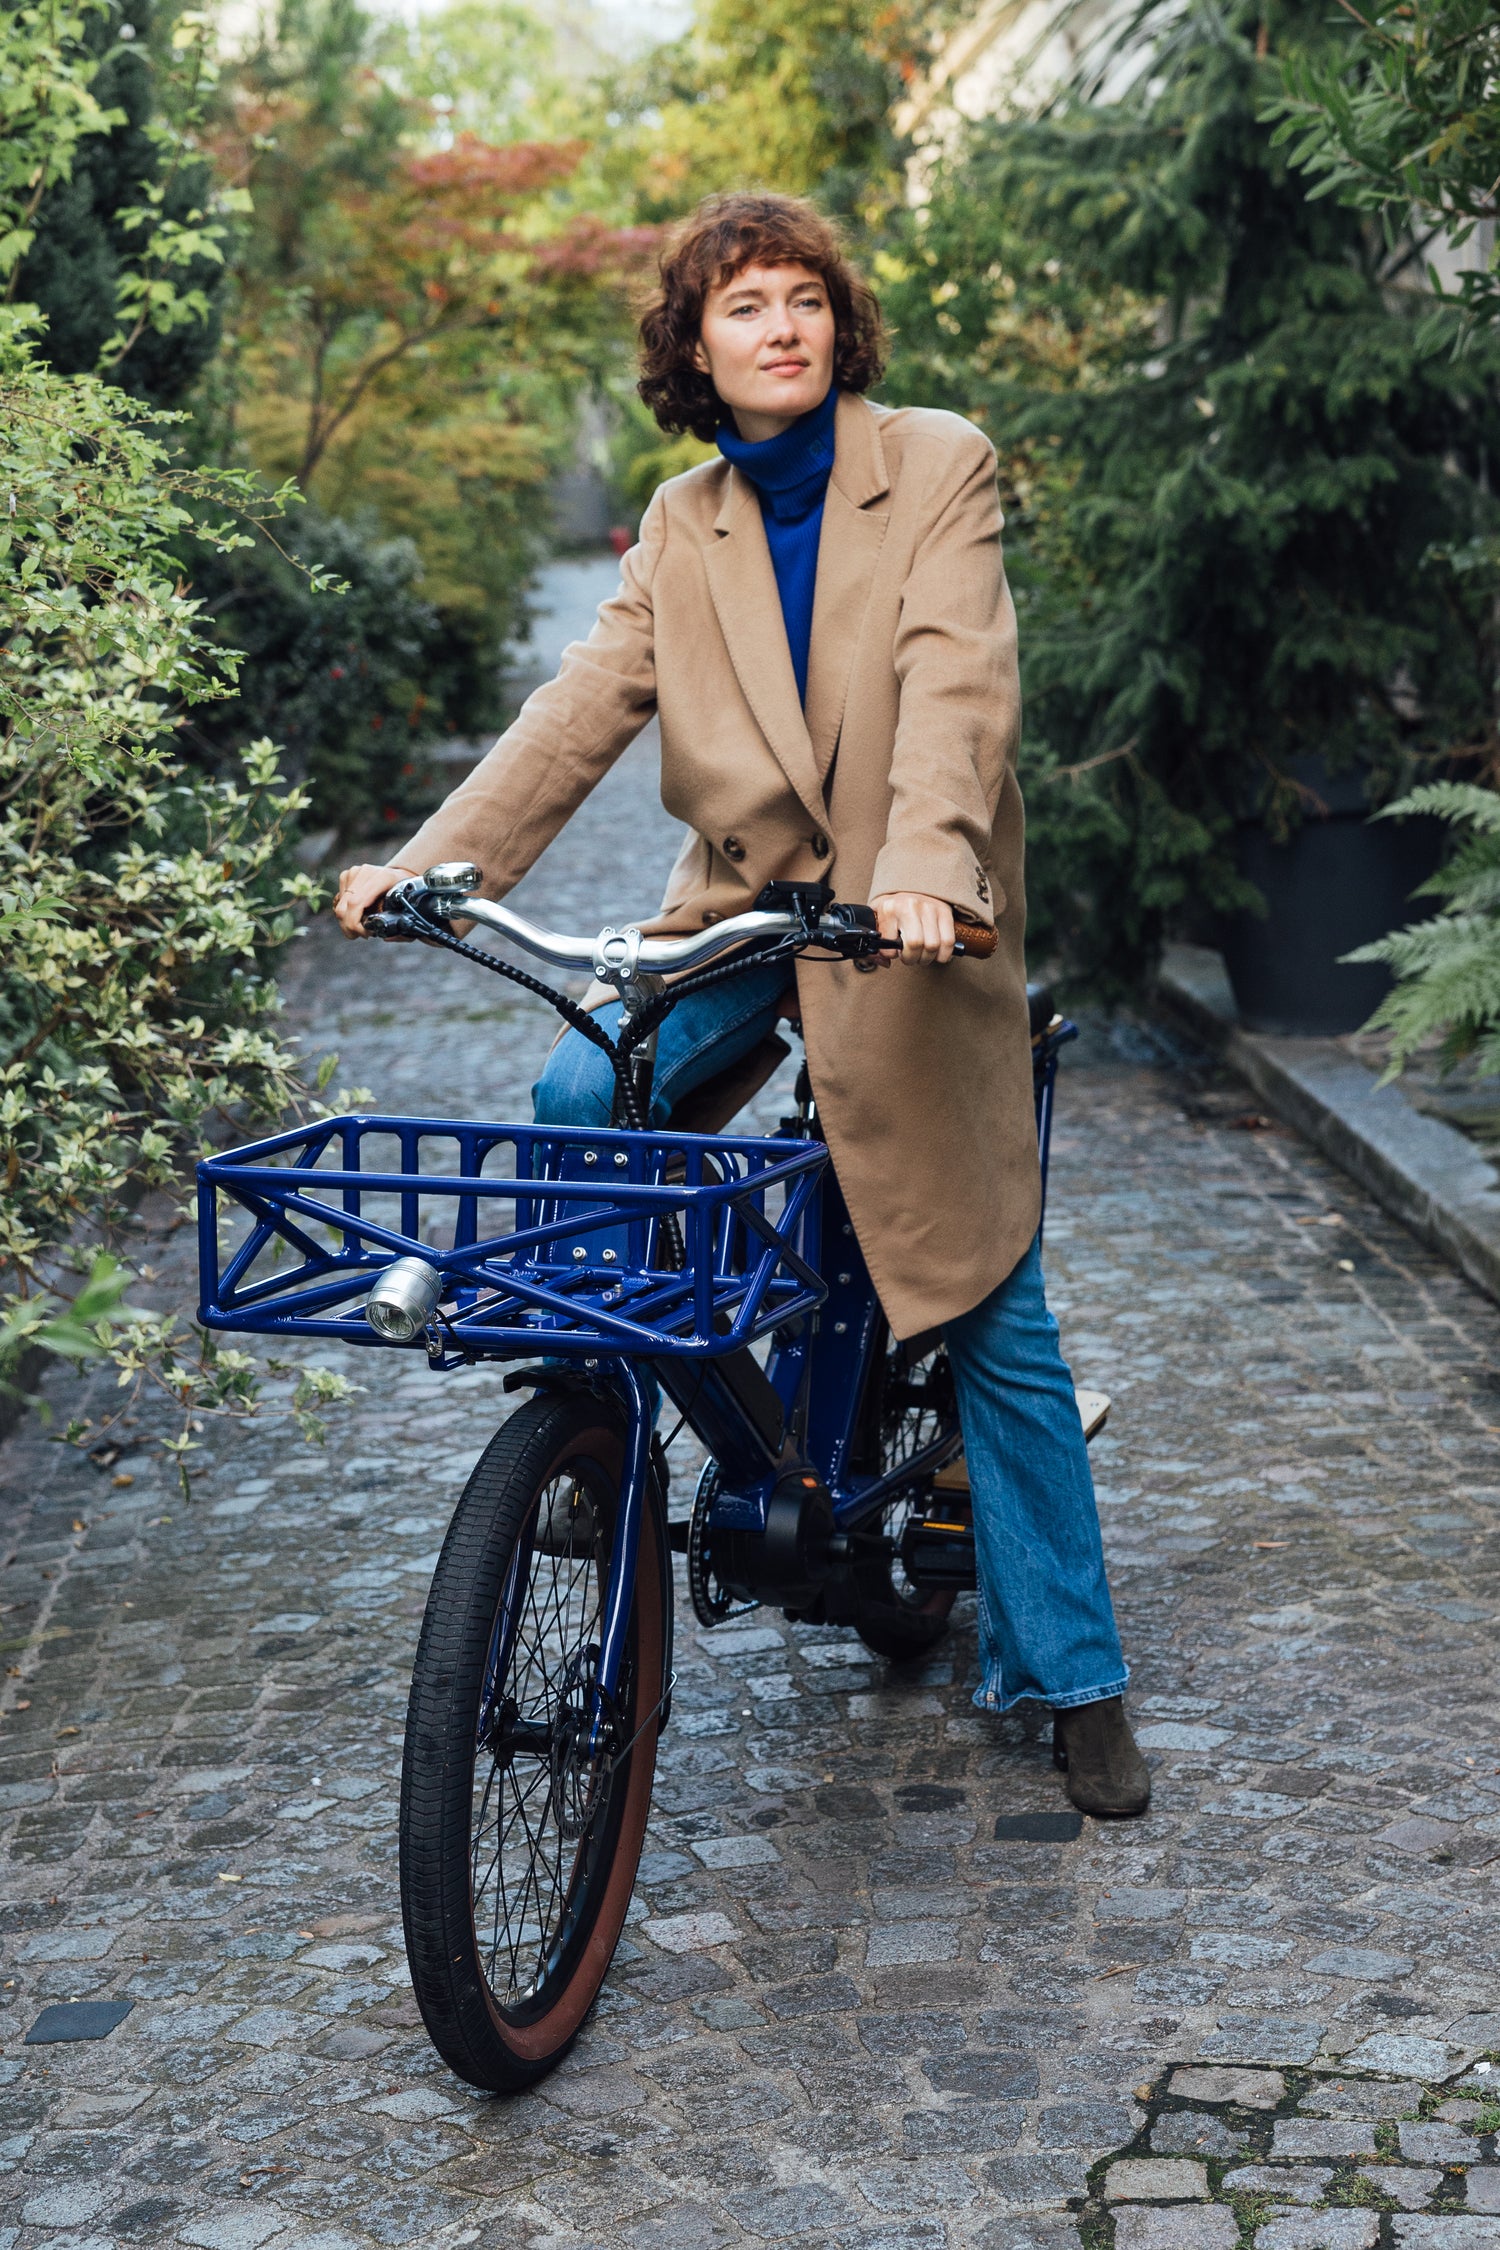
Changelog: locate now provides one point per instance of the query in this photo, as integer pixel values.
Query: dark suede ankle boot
(1093, 1745)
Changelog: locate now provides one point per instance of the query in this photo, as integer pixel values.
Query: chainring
(713, 1604)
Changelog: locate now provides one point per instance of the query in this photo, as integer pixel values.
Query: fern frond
(1449, 800)
(1447, 969)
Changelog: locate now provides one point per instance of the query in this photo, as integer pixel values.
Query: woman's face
(766, 343)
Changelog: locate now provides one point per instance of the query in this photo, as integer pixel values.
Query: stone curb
(1424, 1172)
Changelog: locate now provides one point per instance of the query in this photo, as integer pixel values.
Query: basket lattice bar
(588, 1264)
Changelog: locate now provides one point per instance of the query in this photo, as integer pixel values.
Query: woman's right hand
(360, 890)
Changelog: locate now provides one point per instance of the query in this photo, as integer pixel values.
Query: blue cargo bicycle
(722, 1269)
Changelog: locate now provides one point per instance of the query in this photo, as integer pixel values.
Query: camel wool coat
(899, 776)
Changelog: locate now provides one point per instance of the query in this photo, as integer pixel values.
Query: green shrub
(355, 683)
(140, 902)
(642, 456)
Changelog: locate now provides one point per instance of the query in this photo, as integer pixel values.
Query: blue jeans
(702, 1036)
(1046, 1624)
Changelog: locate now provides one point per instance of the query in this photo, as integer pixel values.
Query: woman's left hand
(924, 926)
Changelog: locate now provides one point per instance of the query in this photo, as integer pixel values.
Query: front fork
(624, 1562)
(625, 1553)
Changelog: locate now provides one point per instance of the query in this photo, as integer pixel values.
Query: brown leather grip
(977, 939)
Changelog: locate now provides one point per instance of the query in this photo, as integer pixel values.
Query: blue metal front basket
(585, 1268)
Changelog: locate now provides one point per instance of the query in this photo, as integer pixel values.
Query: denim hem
(990, 1696)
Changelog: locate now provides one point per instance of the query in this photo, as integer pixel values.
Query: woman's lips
(785, 367)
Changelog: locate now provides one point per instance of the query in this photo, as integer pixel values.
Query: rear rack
(585, 1268)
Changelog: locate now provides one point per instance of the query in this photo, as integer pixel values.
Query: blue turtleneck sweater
(790, 474)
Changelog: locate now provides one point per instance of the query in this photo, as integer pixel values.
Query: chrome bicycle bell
(403, 1300)
(453, 878)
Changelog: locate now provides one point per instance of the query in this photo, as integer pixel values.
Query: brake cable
(577, 1017)
(637, 1028)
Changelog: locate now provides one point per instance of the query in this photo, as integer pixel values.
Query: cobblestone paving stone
(846, 2017)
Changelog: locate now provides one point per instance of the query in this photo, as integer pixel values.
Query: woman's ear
(700, 359)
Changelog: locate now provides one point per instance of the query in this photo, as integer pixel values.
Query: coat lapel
(748, 606)
(847, 553)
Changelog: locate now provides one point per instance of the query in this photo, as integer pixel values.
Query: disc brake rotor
(576, 1772)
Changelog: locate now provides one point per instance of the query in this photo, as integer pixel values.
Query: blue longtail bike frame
(589, 1278)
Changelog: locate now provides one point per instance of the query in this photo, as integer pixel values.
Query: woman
(821, 620)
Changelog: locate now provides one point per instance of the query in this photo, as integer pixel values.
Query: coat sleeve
(960, 712)
(563, 741)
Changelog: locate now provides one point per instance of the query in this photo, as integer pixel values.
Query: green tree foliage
(484, 67)
(126, 249)
(1447, 969)
(139, 903)
(1227, 561)
(1407, 118)
(419, 309)
(794, 95)
(1406, 124)
(48, 110)
(642, 456)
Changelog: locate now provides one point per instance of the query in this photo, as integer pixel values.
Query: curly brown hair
(724, 235)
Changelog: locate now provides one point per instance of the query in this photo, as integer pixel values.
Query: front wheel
(518, 1846)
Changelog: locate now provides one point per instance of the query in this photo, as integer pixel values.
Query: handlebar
(606, 955)
(785, 910)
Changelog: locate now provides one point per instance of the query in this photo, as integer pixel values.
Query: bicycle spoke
(916, 1415)
(535, 1814)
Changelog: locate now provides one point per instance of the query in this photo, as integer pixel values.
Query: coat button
(820, 844)
(733, 848)
(710, 917)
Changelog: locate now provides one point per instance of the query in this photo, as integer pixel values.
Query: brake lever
(858, 937)
(973, 941)
(396, 929)
(855, 933)
(404, 919)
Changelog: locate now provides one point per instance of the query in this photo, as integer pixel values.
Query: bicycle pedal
(1093, 1411)
(937, 1551)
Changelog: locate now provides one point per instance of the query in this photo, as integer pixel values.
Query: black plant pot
(1338, 881)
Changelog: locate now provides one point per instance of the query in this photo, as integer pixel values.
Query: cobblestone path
(847, 2013)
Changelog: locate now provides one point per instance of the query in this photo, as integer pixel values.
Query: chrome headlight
(403, 1300)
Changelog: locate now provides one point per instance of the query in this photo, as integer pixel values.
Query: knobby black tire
(493, 2040)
